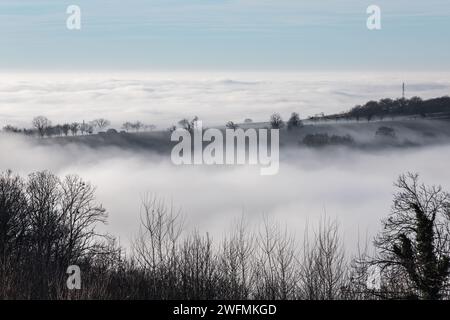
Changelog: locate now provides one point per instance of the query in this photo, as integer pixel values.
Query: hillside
(407, 133)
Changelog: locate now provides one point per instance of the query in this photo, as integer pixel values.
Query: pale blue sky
(224, 34)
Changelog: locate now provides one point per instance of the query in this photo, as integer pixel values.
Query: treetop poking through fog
(237, 146)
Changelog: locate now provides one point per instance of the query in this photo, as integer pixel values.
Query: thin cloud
(166, 98)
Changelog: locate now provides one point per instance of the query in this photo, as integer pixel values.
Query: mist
(352, 186)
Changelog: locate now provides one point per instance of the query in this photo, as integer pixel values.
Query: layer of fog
(163, 99)
(351, 186)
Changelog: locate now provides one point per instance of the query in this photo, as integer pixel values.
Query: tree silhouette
(414, 244)
(102, 123)
(127, 126)
(276, 121)
(74, 127)
(41, 124)
(294, 121)
(188, 125)
(231, 125)
(137, 126)
(65, 129)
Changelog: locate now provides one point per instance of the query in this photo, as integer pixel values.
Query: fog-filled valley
(352, 185)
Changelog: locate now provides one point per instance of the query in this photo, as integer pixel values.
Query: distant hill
(376, 124)
(361, 135)
(431, 108)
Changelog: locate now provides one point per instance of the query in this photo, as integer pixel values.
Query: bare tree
(414, 246)
(102, 123)
(188, 125)
(156, 246)
(65, 129)
(235, 262)
(13, 213)
(294, 121)
(276, 122)
(275, 267)
(46, 224)
(74, 127)
(41, 124)
(58, 130)
(137, 126)
(198, 268)
(231, 125)
(127, 126)
(323, 267)
(364, 280)
(90, 127)
(81, 215)
(11, 129)
(84, 127)
(160, 230)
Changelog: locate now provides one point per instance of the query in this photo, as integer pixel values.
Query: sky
(282, 35)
